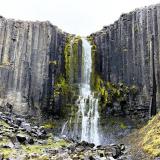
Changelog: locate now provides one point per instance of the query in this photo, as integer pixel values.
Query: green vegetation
(53, 62)
(40, 148)
(5, 140)
(7, 152)
(27, 149)
(65, 84)
(116, 121)
(6, 59)
(122, 125)
(35, 148)
(48, 125)
(5, 62)
(75, 58)
(95, 78)
(71, 57)
(4, 124)
(61, 86)
(67, 54)
(107, 91)
(151, 136)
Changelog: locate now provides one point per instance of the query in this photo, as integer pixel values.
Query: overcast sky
(80, 17)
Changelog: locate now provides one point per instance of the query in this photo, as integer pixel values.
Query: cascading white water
(88, 105)
(87, 117)
(63, 128)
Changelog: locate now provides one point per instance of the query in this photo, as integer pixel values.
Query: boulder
(26, 126)
(21, 138)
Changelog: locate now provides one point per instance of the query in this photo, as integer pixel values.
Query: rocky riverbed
(20, 140)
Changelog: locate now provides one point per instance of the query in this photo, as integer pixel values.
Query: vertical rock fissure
(154, 85)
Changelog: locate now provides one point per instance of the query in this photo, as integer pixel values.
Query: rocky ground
(19, 140)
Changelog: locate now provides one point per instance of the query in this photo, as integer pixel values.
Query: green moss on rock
(108, 92)
(71, 57)
(61, 86)
(151, 136)
(48, 125)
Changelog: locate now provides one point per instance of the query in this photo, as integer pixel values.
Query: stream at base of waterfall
(87, 114)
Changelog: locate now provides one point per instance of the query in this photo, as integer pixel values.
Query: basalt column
(30, 57)
(128, 52)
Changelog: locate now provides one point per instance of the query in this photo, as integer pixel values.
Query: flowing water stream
(88, 105)
(87, 115)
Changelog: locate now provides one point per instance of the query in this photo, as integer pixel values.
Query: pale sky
(80, 17)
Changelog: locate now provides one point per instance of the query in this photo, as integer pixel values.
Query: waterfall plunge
(86, 123)
(88, 105)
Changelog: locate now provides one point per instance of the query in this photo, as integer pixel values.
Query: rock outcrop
(128, 51)
(31, 54)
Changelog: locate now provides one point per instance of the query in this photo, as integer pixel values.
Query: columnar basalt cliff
(31, 55)
(37, 67)
(128, 51)
(95, 90)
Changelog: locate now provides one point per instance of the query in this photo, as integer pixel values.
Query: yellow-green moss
(5, 140)
(7, 152)
(40, 148)
(5, 60)
(65, 84)
(67, 56)
(151, 136)
(53, 62)
(4, 124)
(61, 86)
(48, 125)
(90, 39)
(71, 57)
(108, 91)
(134, 89)
(122, 125)
(35, 148)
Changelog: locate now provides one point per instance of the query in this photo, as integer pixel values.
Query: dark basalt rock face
(32, 57)
(31, 54)
(128, 51)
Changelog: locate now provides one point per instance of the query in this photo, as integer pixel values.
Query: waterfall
(88, 105)
(63, 128)
(84, 126)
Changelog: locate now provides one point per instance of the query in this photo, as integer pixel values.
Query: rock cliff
(34, 54)
(31, 54)
(128, 51)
